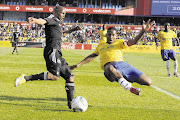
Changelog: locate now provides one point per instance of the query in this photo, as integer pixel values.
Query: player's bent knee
(145, 80)
(149, 82)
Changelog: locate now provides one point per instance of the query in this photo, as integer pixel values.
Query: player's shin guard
(175, 66)
(125, 84)
(69, 87)
(40, 76)
(168, 66)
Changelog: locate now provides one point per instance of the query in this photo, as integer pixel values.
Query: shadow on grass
(37, 103)
(15, 98)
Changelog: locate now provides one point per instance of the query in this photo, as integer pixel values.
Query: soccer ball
(79, 104)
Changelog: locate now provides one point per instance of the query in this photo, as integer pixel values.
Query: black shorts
(56, 64)
(16, 42)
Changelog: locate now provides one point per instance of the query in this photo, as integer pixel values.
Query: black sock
(69, 87)
(40, 76)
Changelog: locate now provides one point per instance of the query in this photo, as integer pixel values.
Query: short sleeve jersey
(53, 31)
(102, 34)
(16, 36)
(110, 52)
(166, 39)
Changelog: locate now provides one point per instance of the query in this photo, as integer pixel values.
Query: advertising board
(165, 7)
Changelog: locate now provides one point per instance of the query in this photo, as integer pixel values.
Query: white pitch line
(166, 92)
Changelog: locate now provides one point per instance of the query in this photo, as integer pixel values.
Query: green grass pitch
(46, 100)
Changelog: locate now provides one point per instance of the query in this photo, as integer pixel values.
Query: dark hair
(58, 9)
(112, 28)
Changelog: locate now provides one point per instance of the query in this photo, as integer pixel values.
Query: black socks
(40, 76)
(69, 87)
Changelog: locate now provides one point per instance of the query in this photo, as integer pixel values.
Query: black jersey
(53, 31)
(16, 36)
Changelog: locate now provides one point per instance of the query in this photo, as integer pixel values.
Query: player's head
(111, 35)
(59, 12)
(167, 26)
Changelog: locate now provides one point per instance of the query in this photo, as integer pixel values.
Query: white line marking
(166, 92)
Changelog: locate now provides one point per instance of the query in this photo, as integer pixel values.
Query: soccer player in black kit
(16, 36)
(56, 65)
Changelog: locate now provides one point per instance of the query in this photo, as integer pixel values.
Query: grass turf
(47, 99)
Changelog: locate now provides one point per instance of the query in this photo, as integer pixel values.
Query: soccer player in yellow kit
(111, 55)
(166, 36)
(102, 34)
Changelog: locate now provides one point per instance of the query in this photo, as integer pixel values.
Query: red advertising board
(76, 46)
(25, 8)
(49, 9)
(87, 46)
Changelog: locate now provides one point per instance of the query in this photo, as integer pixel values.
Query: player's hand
(146, 26)
(31, 20)
(73, 67)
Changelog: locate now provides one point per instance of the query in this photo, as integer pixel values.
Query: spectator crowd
(90, 33)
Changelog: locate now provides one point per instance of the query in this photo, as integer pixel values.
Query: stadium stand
(92, 22)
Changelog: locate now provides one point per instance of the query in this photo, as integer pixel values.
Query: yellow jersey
(110, 52)
(102, 34)
(166, 39)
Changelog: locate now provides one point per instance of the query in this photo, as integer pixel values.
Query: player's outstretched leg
(23, 78)
(144, 80)
(20, 80)
(113, 75)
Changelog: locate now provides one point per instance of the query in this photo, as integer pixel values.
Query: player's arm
(37, 21)
(177, 41)
(78, 27)
(145, 28)
(89, 58)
